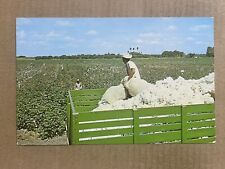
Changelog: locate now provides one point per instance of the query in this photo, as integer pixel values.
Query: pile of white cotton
(165, 92)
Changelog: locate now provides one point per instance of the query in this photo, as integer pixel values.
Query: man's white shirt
(129, 65)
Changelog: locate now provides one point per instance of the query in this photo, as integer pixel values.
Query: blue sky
(58, 36)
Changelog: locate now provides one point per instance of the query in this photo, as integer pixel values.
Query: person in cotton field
(132, 72)
(131, 68)
(78, 85)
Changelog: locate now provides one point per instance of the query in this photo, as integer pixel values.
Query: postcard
(121, 80)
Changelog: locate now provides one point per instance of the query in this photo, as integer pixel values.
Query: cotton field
(43, 85)
(166, 92)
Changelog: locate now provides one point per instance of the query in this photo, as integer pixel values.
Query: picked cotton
(167, 92)
(112, 94)
(135, 86)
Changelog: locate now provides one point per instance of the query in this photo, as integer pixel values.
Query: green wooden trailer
(174, 124)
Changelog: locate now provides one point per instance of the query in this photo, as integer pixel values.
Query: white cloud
(149, 38)
(44, 38)
(172, 28)
(199, 27)
(64, 23)
(147, 41)
(91, 32)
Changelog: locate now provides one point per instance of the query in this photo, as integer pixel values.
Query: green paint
(174, 128)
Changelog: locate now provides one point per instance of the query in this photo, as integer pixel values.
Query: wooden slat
(81, 109)
(203, 116)
(158, 111)
(88, 92)
(200, 133)
(116, 140)
(86, 103)
(105, 124)
(68, 117)
(97, 95)
(74, 132)
(160, 128)
(160, 120)
(105, 132)
(198, 108)
(104, 115)
(175, 142)
(135, 127)
(202, 140)
(159, 137)
(87, 98)
(200, 124)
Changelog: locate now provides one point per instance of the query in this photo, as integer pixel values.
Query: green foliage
(41, 98)
(191, 55)
(173, 54)
(210, 52)
(21, 56)
(81, 56)
(135, 54)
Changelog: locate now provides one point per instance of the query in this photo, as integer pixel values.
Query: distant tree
(166, 53)
(191, 55)
(173, 54)
(178, 53)
(210, 52)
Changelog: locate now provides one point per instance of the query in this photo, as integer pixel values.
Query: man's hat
(127, 56)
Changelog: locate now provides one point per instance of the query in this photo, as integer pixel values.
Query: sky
(68, 36)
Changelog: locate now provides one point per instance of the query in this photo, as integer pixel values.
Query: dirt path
(29, 138)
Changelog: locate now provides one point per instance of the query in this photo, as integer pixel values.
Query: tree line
(136, 54)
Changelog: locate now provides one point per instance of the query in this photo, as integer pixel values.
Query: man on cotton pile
(131, 68)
